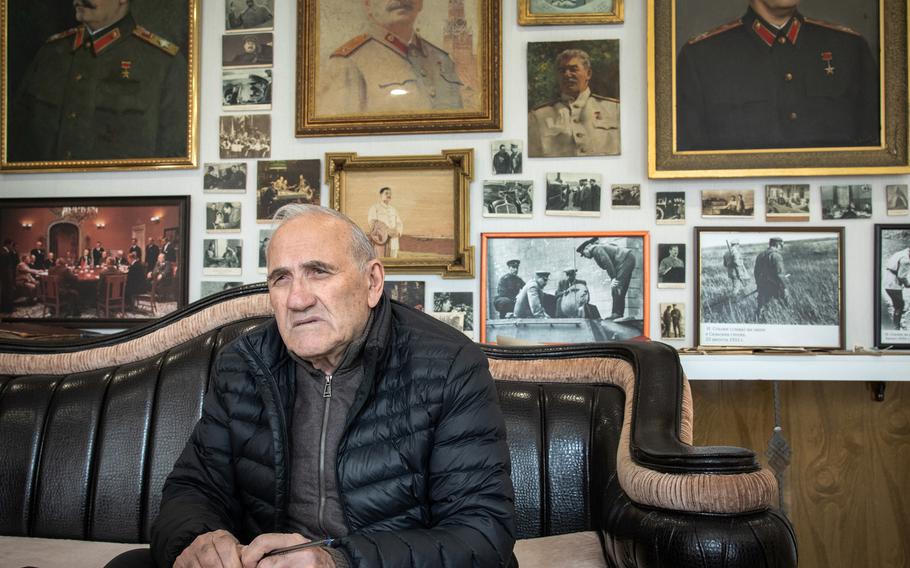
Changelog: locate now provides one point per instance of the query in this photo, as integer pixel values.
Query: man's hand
(218, 549)
(315, 557)
(614, 284)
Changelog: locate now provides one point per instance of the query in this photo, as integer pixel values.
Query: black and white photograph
(245, 136)
(455, 309)
(224, 178)
(411, 293)
(892, 286)
(730, 204)
(247, 50)
(564, 287)
(670, 207)
(279, 182)
(770, 287)
(787, 202)
(573, 194)
(246, 15)
(209, 287)
(507, 156)
(265, 235)
(222, 257)
(846, 201)
(508, 198)
(222, 217)
(625, 196)
(672, 320)
(671, 267)
(896, 199)
(246, 89)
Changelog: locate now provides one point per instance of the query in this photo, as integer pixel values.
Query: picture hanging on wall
(280, 182)
(508, 199)
(769, 287)
(125, 100)
(789, 202)
(455, 309)
(724, 203)
(625, 196)
(671, 267)
(572, 194)
(670, 207)
(411, 293)
(569, 12)
(415, 67)
(507, 156)
(719, 104)
(81, 262)
(222, 217)
(209, 287)
(246, 89)
(846, 201)
(247, 50)
(896, 199)
(672, 320)
(243, 16)
(265, 235)
(891, 295)
(564, 287)
(222, 257)
(413, 208)
(245, 136)
(224, 178)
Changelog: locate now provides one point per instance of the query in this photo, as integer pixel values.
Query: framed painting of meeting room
(408, 67)
(816, 87)
(124, 99)
(414, 209)
(564, 287)
(93, 262)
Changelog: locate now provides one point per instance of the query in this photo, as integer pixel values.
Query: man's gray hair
(570, 53)
(361, 246)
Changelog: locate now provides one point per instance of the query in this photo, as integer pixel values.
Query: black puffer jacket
(423, 466)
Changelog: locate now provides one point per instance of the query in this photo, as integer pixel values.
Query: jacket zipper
(327, 398)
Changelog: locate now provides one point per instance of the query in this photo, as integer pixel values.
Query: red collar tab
(397, 43)
(763, 33)
(102, 42)
(793, 32)
(80, 37)
(769, 36)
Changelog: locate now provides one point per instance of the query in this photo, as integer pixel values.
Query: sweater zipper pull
(327, 389)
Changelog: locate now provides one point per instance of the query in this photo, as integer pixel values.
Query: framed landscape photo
(569, 12)
(564, 287)
(94, 262)
(420, 67)
(818, 87)
(124, 100)
(891, 295)
(413, 208)
(769, 287)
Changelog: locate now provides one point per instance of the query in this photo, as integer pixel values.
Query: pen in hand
(296, 547)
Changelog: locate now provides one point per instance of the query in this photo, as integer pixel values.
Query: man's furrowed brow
(318, 265)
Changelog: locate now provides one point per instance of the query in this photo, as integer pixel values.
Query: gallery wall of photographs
(693, 231)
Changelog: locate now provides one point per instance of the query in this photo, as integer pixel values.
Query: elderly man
(386, 226)
(619, 263)
(776, 79)
(532, 299)
(579, 123)
(389, 68)
(349, 420)
(106, 89)
(507, 289)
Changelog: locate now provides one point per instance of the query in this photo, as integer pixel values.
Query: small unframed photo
(508, 198)
(572, 194)
(672, 320)
(728, 204)
(626, 196)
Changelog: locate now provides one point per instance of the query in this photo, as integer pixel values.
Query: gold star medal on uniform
(125, 69)
(827, 57)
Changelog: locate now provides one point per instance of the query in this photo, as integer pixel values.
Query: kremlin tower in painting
(459, 42)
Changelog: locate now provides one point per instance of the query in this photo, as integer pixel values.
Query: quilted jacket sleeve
(197, 496)
(470, 489)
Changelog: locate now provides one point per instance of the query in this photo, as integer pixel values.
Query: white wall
(630, 167)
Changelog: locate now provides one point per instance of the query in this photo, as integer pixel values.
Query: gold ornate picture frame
(414, 71)
(667, 32)
(569, 12)
(127, 100)
(415, 209)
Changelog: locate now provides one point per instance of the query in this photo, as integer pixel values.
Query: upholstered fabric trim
(704, 493)
(146, 346)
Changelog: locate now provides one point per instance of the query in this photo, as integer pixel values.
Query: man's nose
(301, 295)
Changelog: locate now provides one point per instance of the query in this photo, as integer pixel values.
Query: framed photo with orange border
(564, 287)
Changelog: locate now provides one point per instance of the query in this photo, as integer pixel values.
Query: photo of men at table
(279, 182)
(86, 262)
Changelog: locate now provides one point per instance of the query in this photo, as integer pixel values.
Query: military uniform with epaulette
(121, 93)
(748, 84)
(377, 72)
(585, 126)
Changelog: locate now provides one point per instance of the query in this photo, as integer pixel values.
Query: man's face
(775, 5)
(587, 251)
(674, 252)
(386, 197)
(542, 282)
(389, 13)
(249, 46)
(573, 76)
(97, 14)
(513, 270)
(321, 298)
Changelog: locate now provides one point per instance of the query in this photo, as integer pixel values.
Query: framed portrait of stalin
(800, 87)
(98, 84)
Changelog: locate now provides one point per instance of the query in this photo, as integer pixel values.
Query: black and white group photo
(508, 198)
(625, 196)
(846, 201)
(583, 287)
(787, 202)
(670, 207)
(222, 257)
(222, 217)
(279, 182)
(411, 293)
(725, 203)
(246, 136)
(455, 309)
(672, 320)
(573, 194)
(209, 287)
(762, 287)
(246, 89)
(224, 178)
(507, 156)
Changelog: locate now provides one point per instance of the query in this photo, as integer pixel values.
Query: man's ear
(376, 279)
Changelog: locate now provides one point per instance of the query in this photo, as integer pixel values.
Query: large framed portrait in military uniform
(564, 287)
(99, 85)
(398, 66)
(801, 87)
(769, 288)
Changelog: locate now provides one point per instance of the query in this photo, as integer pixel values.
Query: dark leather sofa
(599, 434)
